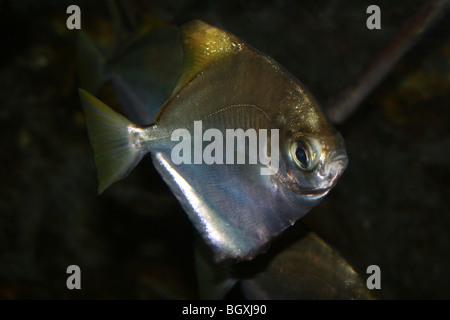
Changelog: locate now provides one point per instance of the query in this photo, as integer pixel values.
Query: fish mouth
(316, 193)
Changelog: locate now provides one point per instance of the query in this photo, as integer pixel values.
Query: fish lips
(326, 177)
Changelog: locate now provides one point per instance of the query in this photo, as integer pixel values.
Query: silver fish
(226, 84)
(308, 269)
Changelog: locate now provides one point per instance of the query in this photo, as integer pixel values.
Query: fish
(237, 207)
(307, 269)
(154, 50)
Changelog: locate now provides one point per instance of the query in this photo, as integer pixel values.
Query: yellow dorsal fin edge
(203, 46)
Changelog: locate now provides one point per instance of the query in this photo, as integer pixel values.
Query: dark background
(390, 208)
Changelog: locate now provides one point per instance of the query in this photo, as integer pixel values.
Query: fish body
(237, 208)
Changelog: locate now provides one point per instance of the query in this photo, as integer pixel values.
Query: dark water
(391, 207)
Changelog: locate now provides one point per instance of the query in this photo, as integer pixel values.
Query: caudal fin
(116, 151)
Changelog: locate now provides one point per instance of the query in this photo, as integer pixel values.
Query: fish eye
(305, 157)
(302, 155)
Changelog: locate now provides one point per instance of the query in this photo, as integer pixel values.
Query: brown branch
(348, 100)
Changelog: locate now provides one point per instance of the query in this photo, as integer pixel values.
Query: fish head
(312, 151)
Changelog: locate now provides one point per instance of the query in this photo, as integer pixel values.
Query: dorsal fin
(204, 45)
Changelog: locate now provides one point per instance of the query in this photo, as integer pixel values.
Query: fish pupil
(301, 155)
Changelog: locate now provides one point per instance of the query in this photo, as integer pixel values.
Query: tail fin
(116, 151)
